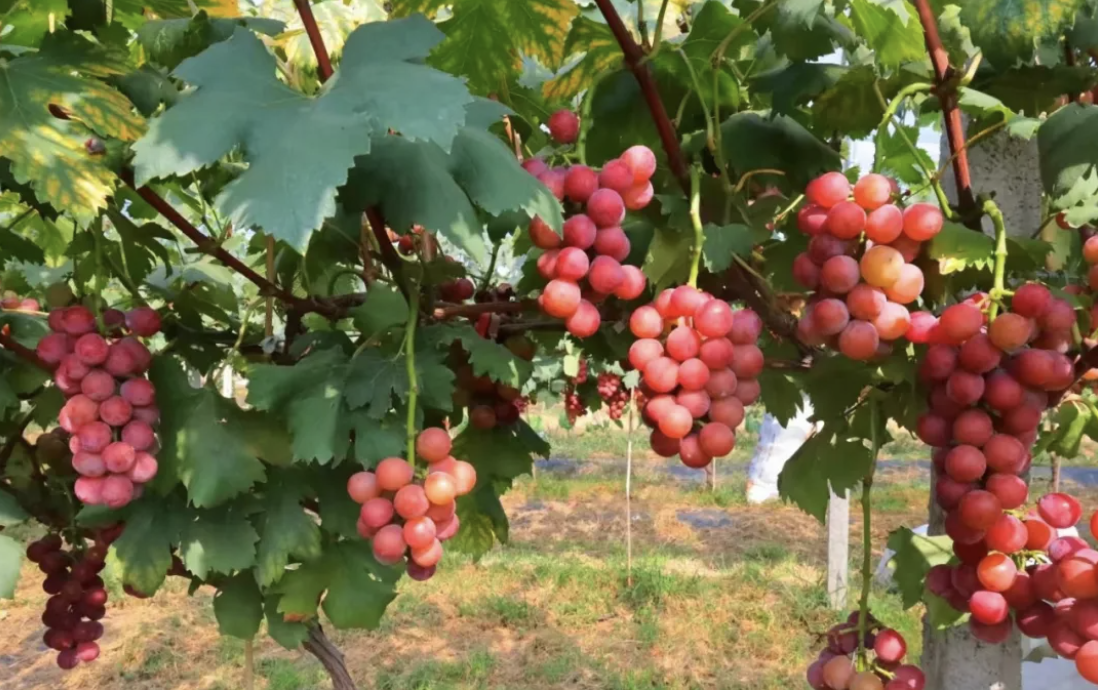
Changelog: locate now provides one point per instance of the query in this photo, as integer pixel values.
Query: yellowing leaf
(486, 39)
(48, 152)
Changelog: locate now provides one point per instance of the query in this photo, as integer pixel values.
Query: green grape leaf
(752, 142)
(144, 551)
(289, 634)
(898, 159)
(171, 41)
(601, 55)
(832, 457)
(358, 587)
(376, 440)
(914, 556)
(218, 541)
(668, 259)
(48, 152)
(1007, 31)
(30, 20)
(199, 447)
(1068, 144)
(338, 511)
(503, 453)
(11, 513)
(418, 183)
(800, 29)
(851, 105)
(1072, 422)
(957, 248)
(1034, 89)
(710, 27)
(383, 308)
(483, 522)
(11, 560)
(487, 357)
(309, 395)
(285, 529)
(375, 376)
(147, 88)
(792, 85)
(721, 244)
(238, 607)
(889, 30)
(238, 101)
(780, 394)
(485, 39)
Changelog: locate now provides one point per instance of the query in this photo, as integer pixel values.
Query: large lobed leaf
(486, 39)
(601, 54)
(1068, 146)
(201, 445)
(286, 530)
(752, 141)
(355, 588)
(238, 102)
(171, 41)
(47, 152)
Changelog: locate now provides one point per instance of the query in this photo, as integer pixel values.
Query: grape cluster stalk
(587, 265)
(407, 519)
(699, 364)
(859, 263)
(876, 664)
(110, 411)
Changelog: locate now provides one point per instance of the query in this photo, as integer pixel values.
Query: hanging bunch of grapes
(587, 265)
(875, 664)
(858, 263)
(406, 518)
(111, 410)
(699, 366)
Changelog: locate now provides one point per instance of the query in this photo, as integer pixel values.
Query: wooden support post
(838, 548)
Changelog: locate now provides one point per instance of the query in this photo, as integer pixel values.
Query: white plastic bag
(776, 445)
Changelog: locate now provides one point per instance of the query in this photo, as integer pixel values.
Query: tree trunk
(330, 658)
(955, 660)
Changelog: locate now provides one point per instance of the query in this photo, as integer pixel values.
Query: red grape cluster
(698, 362)
(13, 302)
(989, 386)
(78, 598)
(594, 246)
(111, 408)
(409, 519)
(861, 287)
(613, 394)
(1049, 583)
(837, 668)
(489, 403)
(574, 406)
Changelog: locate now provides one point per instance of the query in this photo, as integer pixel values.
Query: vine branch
(947, 96)
(323, 61)
(389, 257)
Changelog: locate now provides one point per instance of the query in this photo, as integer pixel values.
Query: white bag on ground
(776, 445)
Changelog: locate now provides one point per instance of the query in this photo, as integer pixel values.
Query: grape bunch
(111, 411)
(859, 263)
(989, 385)
(613, 393)
(1049, 583)
(698, 362)
(78, 597)
(11, 301)
(489, 403)
(594, 246)
(838, 668)
(408, 519)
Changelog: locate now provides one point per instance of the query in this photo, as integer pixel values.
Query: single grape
(881, 266)
(580, 182)
(828, 189)
(846, 220)
(872, 191)
(564, 126)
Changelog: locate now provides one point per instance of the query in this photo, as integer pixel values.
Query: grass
(721, 596)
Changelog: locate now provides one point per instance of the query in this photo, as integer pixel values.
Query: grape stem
(695, 220)
(993, 212)
(889, 114)
(867, 533)
(410, 365)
